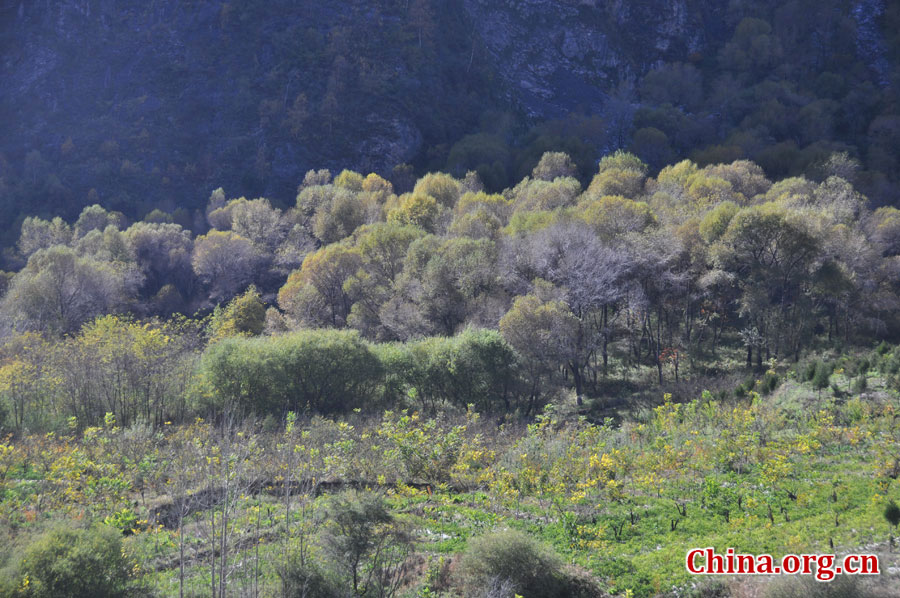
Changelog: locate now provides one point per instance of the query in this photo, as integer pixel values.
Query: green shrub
(397, 366)
(860, 383)
(475, 366)
(810, 371)
(890, 364)
(72, 563)
(334, 371)
(822, 376)
(770, 383)
(842, 586)
(306, 580)
(326, 371)
(514, 559)
(367, 546)
(124, 520)
(892, 514)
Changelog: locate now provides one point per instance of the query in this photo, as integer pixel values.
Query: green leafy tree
(58, 290)
(366, 544)
(245, 315)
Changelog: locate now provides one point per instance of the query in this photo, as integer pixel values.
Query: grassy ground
(776, 468)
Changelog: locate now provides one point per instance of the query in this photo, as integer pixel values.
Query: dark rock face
(141, 104)
(164, 101)
(869, 41)
(559, 55)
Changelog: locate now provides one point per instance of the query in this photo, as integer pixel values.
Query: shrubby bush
(513, 560)
(327, 371)
(476, 366)
(303, 579)
(334, 371)
(842, 586)
(72, 563)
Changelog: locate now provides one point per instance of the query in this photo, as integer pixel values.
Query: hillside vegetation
(447, 390)
(408, 505)
(138, 105)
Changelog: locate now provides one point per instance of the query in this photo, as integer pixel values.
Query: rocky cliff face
(557, 56)
(139, 104)
(869, 40)
(157, 103)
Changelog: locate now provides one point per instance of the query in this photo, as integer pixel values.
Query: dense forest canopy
(138, 106)
(545, 286)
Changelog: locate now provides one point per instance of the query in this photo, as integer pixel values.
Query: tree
(26, 378)
(40, 234)
(417, 209)
(548, 336)
(442, 283)
(316, 178)
(753, 49)
(57, 290)
(107, 245)
(225, 262)
(619, 173)
(315, 295)
(772, 252)
(553, 165)
(366, 544)
(822, 376)
(245, 315)
(589, 275)
(95, 217)
(675, 83)
(535, 194)
(259, 222)
(653, 146)
(614, 216)
(382, 249)
(137, 372)
(716, 221)
(337, 218)
(163, 254)
(442, 187)
(745, 177)
(884, 227)
(350, 180)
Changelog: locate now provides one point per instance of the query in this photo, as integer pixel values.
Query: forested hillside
(139, 105)
(466, 299)
(555, 390)
(544, 286)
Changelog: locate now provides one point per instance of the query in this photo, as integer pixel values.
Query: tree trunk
(658, 341)
(579, 383)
